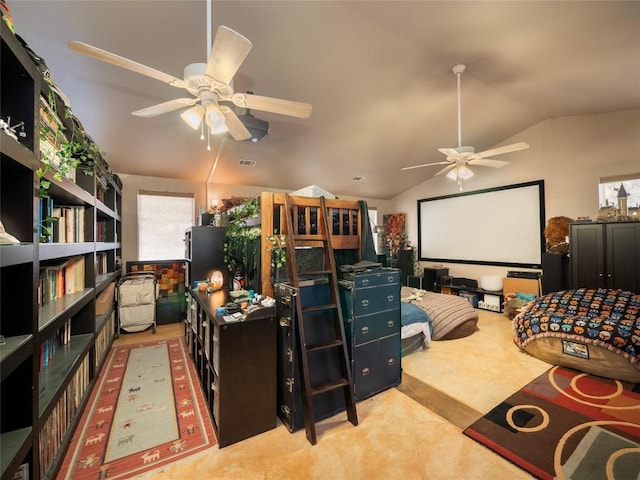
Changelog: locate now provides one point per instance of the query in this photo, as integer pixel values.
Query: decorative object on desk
(556, 234)
(146, 410)
(566, 424)
(619, 198)
(216, 281)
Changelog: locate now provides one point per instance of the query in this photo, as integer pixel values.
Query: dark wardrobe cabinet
(605, 255)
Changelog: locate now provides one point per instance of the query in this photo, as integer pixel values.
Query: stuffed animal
(556, 234)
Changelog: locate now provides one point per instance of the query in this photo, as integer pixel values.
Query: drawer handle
(365, 371)
(391, 361)
(365, 281)
(391, 279)
(285, 321)
(390, 323)
(365, 330)
(365, 302)
(390, 298)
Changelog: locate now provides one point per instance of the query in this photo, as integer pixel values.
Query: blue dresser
(371, 313)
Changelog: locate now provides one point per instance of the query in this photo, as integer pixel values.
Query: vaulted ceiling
(377, 73)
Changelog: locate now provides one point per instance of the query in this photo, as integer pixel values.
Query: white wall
(570, 154)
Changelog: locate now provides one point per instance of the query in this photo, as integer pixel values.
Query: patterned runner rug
(567, 425)
(146, 410)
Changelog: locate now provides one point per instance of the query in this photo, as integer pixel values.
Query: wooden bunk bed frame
(345, 218)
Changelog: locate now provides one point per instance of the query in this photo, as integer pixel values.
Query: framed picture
(575, 349)
(619, 198)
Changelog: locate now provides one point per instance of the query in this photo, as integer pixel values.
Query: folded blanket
(447, 312)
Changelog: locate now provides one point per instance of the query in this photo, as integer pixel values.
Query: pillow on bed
(410, 313)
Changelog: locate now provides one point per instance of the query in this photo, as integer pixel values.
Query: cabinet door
(587, 255)
(623, 256)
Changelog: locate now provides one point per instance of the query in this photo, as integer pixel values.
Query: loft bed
(346, 225)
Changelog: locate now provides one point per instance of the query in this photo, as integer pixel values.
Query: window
(163, 218)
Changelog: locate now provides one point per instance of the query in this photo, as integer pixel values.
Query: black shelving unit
(37, 418)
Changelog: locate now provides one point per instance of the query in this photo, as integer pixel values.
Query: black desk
(236, 362)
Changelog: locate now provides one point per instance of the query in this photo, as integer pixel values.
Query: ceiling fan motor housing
(465, 149)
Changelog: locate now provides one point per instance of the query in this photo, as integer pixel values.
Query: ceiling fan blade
(165, 107)
(506, 149)
(424, 165)
(449, 152)
(445, 169)
(236, 128)
(273, 105)
(122, 62)
(227, 54)
(488, 162)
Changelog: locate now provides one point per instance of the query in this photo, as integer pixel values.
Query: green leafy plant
(241, 241)
(278, 250)
(71, 149)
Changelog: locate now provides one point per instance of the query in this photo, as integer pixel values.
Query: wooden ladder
(323, 240)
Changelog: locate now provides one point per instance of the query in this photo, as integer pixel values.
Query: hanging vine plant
(63, 150)
(241, 241)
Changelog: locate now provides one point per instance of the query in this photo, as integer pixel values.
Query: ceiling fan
(209, 84)
(459, 157)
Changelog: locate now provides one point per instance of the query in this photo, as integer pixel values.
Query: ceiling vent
(247, 163)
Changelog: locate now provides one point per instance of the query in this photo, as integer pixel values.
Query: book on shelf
(52, 344)
(69, 224)
(63, 278)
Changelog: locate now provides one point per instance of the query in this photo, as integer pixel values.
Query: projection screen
(498, 226)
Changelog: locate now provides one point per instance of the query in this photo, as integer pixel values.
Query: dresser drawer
(371, 327)
(376, 366)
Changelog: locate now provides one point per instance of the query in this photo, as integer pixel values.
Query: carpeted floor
(146, 410)
(567, 424)
(397, 438)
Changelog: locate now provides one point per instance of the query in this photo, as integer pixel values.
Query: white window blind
(163, 218)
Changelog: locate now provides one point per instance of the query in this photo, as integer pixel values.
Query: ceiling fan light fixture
(193, 116)
(461, 172)
(214, 119)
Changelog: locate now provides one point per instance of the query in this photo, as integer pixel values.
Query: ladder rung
(323, 346)
(327, 387)
(310, 238)
(318, 308)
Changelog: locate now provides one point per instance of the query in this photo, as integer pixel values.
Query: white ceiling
(377, 73)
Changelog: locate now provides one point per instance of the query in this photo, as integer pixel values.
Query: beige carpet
(478, 371)
(397, 438)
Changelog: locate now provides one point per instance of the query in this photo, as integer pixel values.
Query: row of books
(61, 279)
(55, 427)
(50, 346)
(60, 224)
(103, 339)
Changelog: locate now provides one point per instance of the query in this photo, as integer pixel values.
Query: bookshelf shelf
(16, 254)
(62, 366)
(41, 403)
(15, 445)
(15, 351)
